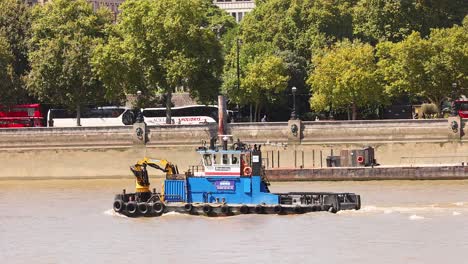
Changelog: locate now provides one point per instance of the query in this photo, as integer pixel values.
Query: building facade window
(237, 8)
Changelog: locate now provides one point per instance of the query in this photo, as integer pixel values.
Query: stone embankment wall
(109, 151)
(368, 173)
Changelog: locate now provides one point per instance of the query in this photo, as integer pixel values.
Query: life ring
(131, 208)
(158, 207)
(360, 159)
(143, 208)
(118, 206)
(247, 171)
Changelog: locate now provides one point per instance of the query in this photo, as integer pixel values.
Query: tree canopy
(65, 53)
(15, 22)
(426, 67)
(6, 71)
(265, 77)
(159, 46)
(345, 75)
(379, 20)
(64, 34)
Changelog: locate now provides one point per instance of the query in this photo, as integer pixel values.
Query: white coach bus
(121, 116)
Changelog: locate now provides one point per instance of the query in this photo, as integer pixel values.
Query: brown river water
(71, 221)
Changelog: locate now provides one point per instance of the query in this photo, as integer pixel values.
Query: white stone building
(237, 8)
(113, 5)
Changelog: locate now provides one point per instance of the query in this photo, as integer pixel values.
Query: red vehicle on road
(25, 115)
(461, 107)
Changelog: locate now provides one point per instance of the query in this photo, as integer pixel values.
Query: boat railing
(196, 168)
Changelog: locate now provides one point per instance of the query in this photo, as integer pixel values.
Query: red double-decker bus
(26, 115)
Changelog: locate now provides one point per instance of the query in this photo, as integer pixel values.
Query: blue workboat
(229, 181)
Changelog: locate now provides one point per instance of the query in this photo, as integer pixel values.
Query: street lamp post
(454, 88)
(139, 115)
(293, 113)
(239, 42)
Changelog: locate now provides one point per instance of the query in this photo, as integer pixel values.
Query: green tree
(439, 14)
(375, 20)
(378, 20)
(64, 34)
(292, 30)
(426, 67)
(159, 46)
(6, 71)
(345, 75)
(299, 26)
(15, 22)
(264, 78)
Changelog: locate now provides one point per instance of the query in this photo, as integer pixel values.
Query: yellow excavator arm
(142, 183)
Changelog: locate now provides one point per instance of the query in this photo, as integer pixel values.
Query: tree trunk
(78, 115)
(259, 114)
(354, 109)
(256, 113)
(168, 107)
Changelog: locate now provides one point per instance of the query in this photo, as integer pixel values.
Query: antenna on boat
(213, 143)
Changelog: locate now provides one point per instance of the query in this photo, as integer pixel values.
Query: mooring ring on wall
(139, 133)
(294, 129)
(454, 126)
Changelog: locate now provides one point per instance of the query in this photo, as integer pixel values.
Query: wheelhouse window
(235, 159)
(207, 160)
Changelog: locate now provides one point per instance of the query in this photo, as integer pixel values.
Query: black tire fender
(118, 206)
(207, 209)
(298, 209)
(158, 207)
(259, 209)
(143, 208)
(244, 209)
(225, 209)
(278, 209)
(188, 207)
(131, 208)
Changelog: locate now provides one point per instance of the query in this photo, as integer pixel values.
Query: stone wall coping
(401, 123)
